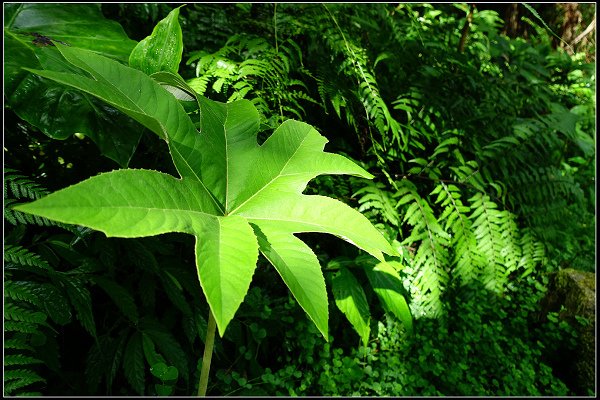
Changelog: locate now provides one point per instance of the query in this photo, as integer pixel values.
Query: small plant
(483, 345)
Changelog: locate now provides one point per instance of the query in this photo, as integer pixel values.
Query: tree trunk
(511, 18)
(571, 23)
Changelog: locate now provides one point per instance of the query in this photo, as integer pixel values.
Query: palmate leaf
(235, 196)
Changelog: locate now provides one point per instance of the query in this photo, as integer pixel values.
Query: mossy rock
(573, 293)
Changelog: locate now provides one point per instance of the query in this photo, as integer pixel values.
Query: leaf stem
(208, 350)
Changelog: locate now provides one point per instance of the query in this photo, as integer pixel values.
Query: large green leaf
(235, 196)
(78, 25)
(57, 111)
(138, 96)
(352, 301)
(162, 50)
(387, 285)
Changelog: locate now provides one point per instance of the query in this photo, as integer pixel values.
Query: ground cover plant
(131, 128)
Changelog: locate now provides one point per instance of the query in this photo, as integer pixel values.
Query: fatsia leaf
(235, 196)
(162, 50)
(350, 298)
(387, 285)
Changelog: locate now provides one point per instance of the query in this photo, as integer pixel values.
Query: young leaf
(235, 196)
(351, 300)
(162, 50)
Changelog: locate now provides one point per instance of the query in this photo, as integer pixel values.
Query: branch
(587, 31)
(465, 29)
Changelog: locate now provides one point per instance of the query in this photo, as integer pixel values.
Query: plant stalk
(208, 350)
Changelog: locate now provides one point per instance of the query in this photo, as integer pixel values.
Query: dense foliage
(483, 151)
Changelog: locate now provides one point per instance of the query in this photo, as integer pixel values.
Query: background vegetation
(480, 132)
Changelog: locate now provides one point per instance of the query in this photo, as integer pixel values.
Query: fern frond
(23, 291)
(13, 312)
(355, 66)
(249, 67)
(469, 173)
(15, 380)
(20, 359)
(533, 252)
(22, 327)
(20, 256)
(377, 204)
(18, 187)
(497, 239)
(428, 273)
(22, 374)
(81, 300)
(467, 260)
(17, 343)
(44, 296)
(21, 187)
(511, 251)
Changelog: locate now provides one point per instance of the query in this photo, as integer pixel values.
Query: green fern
(428, 272)
(22, 323)
(35, 300)
(354, 65)
(17, 255)
(18, 379)
(378, 205)
(249, 67)
(497, 240)
(19, 187)
(467, 260)
(533, 253)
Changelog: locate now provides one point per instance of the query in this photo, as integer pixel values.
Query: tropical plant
(218, 198)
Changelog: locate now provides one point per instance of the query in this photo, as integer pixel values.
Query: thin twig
(583, 34)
